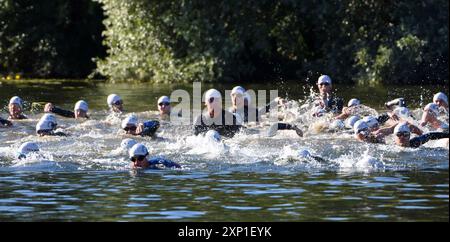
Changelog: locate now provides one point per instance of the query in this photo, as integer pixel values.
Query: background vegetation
(366, 41)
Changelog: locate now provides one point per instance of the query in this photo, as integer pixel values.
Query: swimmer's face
(324, 88)
(402, 138)
(164, 108)
(363, 135)
(237, 99)
(117, 106)
(440, 103)
(130, 129)
(80, 113)
(213, 103)
(14, 109)
(139, 162)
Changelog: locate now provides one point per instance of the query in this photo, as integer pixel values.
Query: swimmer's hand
(272, 130)
(298, 131)
(48, 107)
(140, 128)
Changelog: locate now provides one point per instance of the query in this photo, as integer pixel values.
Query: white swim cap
(353, 102)
(371, 121)
(138, 150)
(28, 147)
(132, 119)
(349, 122)
(212, 93)
(433, 107)
(402, 112)
(127, 143)
(402, 127)
(237, 90)
(337, 124)
(164, 99)
(304, 153)
(81, 105)
(16, 100)
(324, 79)
(213, 135)
(440, 96)
(360, 125)
(47, 122)
(112, 98)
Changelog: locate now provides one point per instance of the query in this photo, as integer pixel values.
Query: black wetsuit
(64, 113)
(154, 162)
(333, 104)
(383, 118)
(5, 122)
(150, 128)
(21, 116)
(51, 133)
(285, 126)
(420, 140)
(226, 124)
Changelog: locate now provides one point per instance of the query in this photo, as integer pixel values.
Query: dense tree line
(48, 38)
(200, 40)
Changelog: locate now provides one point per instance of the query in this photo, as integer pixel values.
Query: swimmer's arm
(339, 106)
(5, 122)
(319, 159)
(345, 113)
(383, 118)
(150, 128)
(165, 162)
(385, 131)
(62, 112)
(420, 140)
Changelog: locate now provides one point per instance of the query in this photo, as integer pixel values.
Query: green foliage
(365, 41)
(50, 38)
(352, 40)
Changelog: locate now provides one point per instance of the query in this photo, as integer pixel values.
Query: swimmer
(165, 109)
(402, 136)
(164, 106)
(430, 116)
(216, 118)
(352, 106)
(47, 126)
(15, 108)
(327, 102)
(243, 110)
(80, 110)
(115, 103)
(131, 125)
(27, 148)
(304, 153)
(138, 155)
(398, 102)
(372, 122)
(441, 100)
(362, 133)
